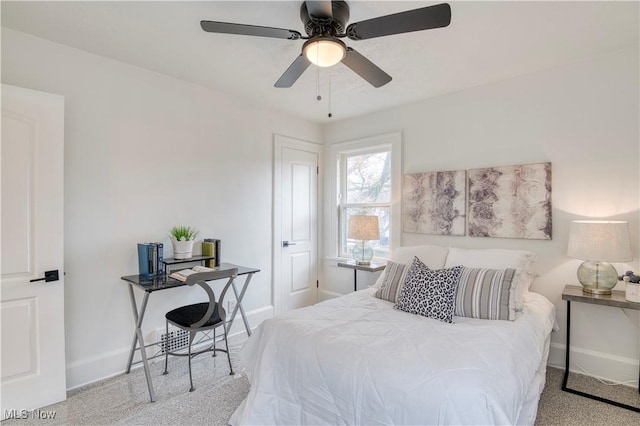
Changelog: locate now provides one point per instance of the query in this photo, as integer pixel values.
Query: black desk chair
(202, 316)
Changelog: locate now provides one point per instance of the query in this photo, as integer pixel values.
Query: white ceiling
(486, 42)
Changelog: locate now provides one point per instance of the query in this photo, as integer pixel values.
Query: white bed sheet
(356, 360)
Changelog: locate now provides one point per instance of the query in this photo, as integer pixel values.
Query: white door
(296, 223)
(31, 313)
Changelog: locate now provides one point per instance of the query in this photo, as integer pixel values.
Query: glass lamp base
(597, 277)
(362, 253)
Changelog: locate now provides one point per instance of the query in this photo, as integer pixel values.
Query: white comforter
(356, 360)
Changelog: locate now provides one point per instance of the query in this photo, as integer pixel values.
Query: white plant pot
(632, 292)
(182, 249)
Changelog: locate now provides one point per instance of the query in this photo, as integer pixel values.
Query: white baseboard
(96, 368)
(596, 364)
(326, 295)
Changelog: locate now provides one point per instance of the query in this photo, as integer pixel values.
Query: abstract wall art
(511, 201)
(434, 203)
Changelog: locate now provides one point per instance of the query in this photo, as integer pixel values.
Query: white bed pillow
(432, 256)
(520, 260)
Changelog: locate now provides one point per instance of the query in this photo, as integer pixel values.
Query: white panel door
(31, 313)
(296, 214)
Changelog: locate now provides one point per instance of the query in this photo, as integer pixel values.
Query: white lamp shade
(324, 52)
(362, 227)
(599, 241)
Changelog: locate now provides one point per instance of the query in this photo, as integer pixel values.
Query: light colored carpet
(562, 408)
(124, 399)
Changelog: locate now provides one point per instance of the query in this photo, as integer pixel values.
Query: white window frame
(342, 188)
(390, 141)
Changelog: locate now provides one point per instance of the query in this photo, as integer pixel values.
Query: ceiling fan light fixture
(324, 52)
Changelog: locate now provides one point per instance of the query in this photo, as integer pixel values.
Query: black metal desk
(149, 284)
(616, 299)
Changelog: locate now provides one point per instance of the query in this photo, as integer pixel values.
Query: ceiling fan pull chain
(330, 114)
(318, 97)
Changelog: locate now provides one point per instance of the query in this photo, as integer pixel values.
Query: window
(365, 188)
(367, 182)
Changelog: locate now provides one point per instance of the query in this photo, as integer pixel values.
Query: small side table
(572, 293)
(371, 267)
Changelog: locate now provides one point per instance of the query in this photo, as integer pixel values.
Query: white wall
(145, 152)
(583, 118)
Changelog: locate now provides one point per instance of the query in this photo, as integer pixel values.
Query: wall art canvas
(434, 203)
(511, 202)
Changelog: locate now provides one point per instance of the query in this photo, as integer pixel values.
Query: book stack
(150, 256)
(211, 247)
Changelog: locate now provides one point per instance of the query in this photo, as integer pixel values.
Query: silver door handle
(287, 244)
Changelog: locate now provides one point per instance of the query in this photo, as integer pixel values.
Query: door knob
(287, 244)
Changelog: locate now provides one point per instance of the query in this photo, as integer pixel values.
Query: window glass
(368, 178)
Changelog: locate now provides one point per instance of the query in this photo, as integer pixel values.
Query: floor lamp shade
(599, 242)
(363, 228)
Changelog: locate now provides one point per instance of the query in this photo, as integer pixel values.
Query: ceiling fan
(324, 22)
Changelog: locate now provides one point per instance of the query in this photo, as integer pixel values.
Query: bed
(357, 360)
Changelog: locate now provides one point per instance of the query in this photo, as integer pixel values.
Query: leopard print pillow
(429, 292)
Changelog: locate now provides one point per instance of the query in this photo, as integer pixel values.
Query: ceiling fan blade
(365, 68)
(320, 9)
(250, 30)
(426, 18)
(294, 72)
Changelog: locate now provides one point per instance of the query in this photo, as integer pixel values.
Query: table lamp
(364, 228)
(598, 242)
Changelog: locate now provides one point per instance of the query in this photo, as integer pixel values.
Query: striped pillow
(484, 293)
(393, 278)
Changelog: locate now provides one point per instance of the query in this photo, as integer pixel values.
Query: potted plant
(182, 238)
(632, 291)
